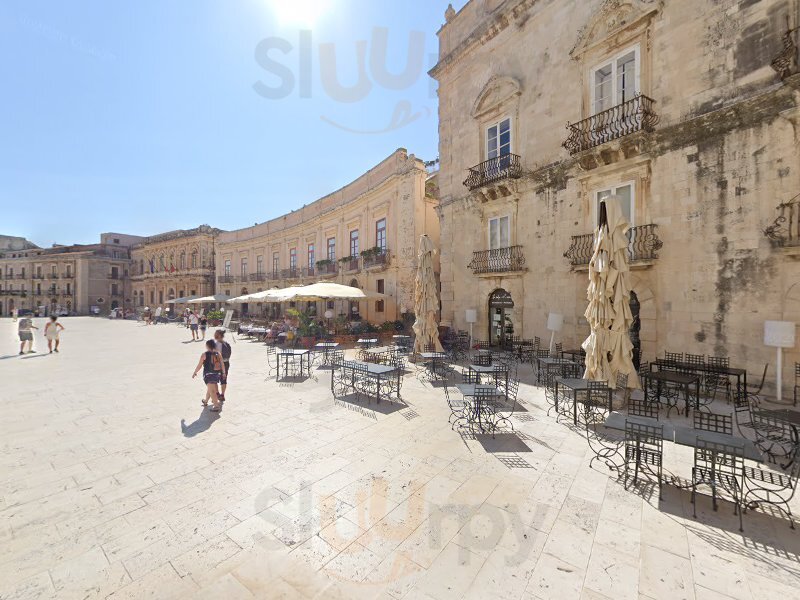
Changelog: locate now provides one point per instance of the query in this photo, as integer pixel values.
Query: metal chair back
(713, 422)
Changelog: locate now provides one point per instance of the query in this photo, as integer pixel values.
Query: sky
(148, 116)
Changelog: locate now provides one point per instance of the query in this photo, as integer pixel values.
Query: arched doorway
(114, 304)
(633, 332)
(244, 307)
(500, 324)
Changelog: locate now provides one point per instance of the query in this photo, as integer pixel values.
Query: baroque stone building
(364, 234)
(686, 110)
(79, 278)
(173, 265)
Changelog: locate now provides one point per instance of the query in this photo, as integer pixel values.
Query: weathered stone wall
(722, 156)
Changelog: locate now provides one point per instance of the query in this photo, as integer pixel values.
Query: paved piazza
(116, 484)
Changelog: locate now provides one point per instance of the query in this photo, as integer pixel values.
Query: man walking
(193, 321)
(224, 348)
(26, 335)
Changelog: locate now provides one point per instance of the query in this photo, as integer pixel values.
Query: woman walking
(51, 332)
(213, 370)
(203, 326)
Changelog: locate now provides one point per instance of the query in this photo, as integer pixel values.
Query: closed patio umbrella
(426, 299)
(609, 350)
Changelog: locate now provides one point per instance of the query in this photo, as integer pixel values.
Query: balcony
(498, 260)
(508, 166)
(349, 263)
(616, 122)
(643, 247)
(66, 276)
(20, 275)
(308, 272)
(327, 269)
(378, 260)
(258, 276)
(291, 273)
(37, 276)
(275, 275)
(226, 279)
(66, 294)
(785, 229)
(113, 276)
(53, 276)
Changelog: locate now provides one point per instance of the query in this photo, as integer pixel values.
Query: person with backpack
(224, 348)
(213, 371)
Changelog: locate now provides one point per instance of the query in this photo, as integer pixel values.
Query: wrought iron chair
(713, 422)
(796, 380)
(715, 381)
(644, 449)
(764, 486)
(541, 353)
(459, 406)
(673, 357)
(639, 407)
(754, 391)
(774, 436)
(559, 348)
(605, 443)
(272, 362)
(720, 466)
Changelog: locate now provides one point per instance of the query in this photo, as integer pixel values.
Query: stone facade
(73, 278)
(387, 208)
(173, 265)
(700, 160)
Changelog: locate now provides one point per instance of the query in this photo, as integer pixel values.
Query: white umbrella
(209, 299)
(254, 297)
(319, 291)
(426, 299)
(609, 350)
(182, 300)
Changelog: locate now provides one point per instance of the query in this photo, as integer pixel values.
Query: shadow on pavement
(203, 423)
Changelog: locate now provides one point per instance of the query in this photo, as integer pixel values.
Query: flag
(152, 265)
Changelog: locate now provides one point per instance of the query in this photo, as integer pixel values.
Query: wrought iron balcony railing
(258, 276)
(290, 273)
(644, 244)
(307, 271)
(376, 260)
(351, 265)
(507, 166)
(327, 269)
(225, 279)
(498, 260)
(618, 121)
(37, 276)
(274, 275)
(785, 229)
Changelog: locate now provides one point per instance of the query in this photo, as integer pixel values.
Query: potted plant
(308, 328)
(215, 317)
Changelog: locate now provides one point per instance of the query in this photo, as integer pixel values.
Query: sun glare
(303, 13)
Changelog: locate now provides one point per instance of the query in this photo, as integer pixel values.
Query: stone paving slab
(116, 483)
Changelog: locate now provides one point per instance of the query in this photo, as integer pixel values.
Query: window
(193, 293)
(354, 243)
(379, 286)
(498, 139)
(180, 294)
(243, 270)
(114, 289)
(624, 192)
(275, 263)
(332, 249)
(152, 297)
(293, 260)
(69, 288)
(114, 272)
(161, 297)
(183, 263)
(616, 81)
(194, 259)
(311, 257)
(141, 267)
(227, 267)
(260, 264)
(380, 234)
(69, 270)
(499, 232)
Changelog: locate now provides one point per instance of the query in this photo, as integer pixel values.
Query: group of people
(51, 332)
(197, 322)
(216, 365)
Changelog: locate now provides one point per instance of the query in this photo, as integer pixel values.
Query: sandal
(204, 402)
(215, 409)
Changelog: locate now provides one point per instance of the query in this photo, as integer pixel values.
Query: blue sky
(142, 117)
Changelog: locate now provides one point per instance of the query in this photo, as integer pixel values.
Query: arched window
(194, 259)
(171, 261)
(183, 260)
(141, 266)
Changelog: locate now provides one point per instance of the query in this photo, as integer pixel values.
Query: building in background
(685, 110)
(364, 234)
(173, 265)
(79, 279)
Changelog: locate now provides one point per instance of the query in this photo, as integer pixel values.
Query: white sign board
(471, 315)
(227, 320)
(779, 334)
(554, 322)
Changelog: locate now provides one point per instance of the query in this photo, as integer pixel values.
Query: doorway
(500, 323)
(633, 332)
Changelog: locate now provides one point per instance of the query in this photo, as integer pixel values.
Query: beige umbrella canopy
(609, 350)
(209, 299)
(426, 299)
(317, 291)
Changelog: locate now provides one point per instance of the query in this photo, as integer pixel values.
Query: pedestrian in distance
(51, 332)
(224, 348)
(26, 335)
(203, 326)
(193, 321)
(213, 370)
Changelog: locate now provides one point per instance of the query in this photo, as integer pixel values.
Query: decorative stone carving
(497, 92)
(611, 17)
